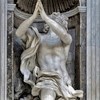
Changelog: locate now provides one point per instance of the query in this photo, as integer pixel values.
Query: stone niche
(22, 89)
(16, 88)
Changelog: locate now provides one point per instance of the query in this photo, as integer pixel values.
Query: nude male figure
(51, 55)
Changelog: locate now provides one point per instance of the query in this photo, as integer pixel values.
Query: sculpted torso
(51, 57)
(51, 53)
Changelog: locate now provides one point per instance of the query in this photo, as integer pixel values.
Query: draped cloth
(40, 79)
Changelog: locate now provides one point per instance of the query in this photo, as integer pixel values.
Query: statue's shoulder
(31, 31)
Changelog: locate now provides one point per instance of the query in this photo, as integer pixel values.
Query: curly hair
(60, 19)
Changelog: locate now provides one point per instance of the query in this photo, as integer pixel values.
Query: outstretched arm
(58, 29)
(25, 25)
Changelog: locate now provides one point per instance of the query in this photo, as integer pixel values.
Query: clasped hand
(39, 10)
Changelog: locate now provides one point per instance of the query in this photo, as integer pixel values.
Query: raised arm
(58, 29)
(25, 25)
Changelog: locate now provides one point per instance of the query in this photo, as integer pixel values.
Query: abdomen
(51, 59)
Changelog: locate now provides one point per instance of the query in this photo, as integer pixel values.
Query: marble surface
(93, 50)
(10, 88)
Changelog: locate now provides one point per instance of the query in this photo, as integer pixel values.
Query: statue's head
(60, 18)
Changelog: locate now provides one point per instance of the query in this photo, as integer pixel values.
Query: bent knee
(47, 94)
(48, 97)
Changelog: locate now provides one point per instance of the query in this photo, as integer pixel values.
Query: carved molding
(23, 15)
(20, 16)
(3, 50)
(75, 11)
(11, 7)
(49, 5)
(93, 50)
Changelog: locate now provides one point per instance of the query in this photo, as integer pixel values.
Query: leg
(48, 94)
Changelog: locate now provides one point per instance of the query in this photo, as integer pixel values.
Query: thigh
(48, 94)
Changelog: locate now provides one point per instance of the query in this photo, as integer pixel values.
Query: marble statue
(43, 62)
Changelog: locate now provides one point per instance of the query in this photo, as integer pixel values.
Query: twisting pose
(43, 63)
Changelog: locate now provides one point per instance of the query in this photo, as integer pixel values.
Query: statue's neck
(51, 33)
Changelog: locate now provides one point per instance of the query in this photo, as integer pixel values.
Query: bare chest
(51, 40)
(51, 51)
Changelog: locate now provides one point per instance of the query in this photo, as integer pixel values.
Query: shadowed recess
(49, 5)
